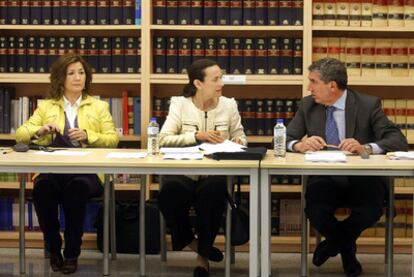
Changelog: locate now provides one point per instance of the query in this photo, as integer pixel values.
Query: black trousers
(364, 195)
(72, 191)
(208, 196)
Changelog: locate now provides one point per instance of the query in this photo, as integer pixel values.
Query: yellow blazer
(93, 116)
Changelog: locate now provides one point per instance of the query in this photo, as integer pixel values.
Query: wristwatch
(368, 149)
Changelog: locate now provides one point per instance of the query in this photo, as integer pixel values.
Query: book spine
(236, 12)
(137, 115)
(333, 47)
(131, 55)
(41, 58)
(2, 120)
(396, 13)
(131, 130)
(9, 94)
(342, 13)
(286, 56)
(249, 12)
(64, 12)
(269, 115)
(355, 13)
(21, 55)
(260, 61)
(366, 13)
(47, 12)
(3, 12)
(210, 12)
(52, 50)
(236, 56)
(102, 12)
(24, 12)
(261, 12)
(329, 7)
(117, 55)
(223, 12)
(273, 12)
(82, 47)
(184, 12)
(368, 57)
(12, 49)
(172, 12)
(71, 45)
(353, 56)
(184, 54)
(297, 12)
(285, 12)
(139, 55)
(198, 49)
(128, 11)
(248, 56)
(56, 12)
(211, 49)
(249, 117)
(3, 54)
(379, 13)
(273, 56)
(223, 54)
(115, 12)
(318, 14)
(138, 12)
(411, 57)
(83, 12)
(104, 55)
(409, 13)
(13, 12)
(36, 12)
(159, 55)
(383, 57)
(260, 117)
(93, 53)
(399, 58)
(91, 12)
(159, 10)
(196, 12)
(125, 113)
(171, 57)
(73, 12)
(297, 56)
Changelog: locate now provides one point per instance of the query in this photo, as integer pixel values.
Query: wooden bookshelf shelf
(71, 27)
(363, 29)
(136, 138)
(226, 28)
(43, 78)
(381, 81)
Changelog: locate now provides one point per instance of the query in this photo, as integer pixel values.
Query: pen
(7, 151)
(332, 146)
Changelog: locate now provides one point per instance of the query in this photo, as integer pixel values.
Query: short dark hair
(58, 75)
(331, 69)
(196, 71)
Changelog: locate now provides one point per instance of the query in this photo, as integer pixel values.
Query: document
(127, 155)
(401, 155)
(325, 156)
(63, 153)
(181, 153)
(226, 146)
(191, 149)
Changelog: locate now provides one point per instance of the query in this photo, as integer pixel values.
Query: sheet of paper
(127, 155)
(401, 155)
(192, 149)
(183, 156)
(64, 153)
(325, 156)
(226, 146)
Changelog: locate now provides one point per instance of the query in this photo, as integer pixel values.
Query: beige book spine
(353, 56)
(342, 13)
(410, 122)
(320, 48)
(379, 13)
(409, 213)
(366, 13)
(318, 13)
(411, 57)
(399, 58)
(396, 13)
(329, 7)
(401, 115)
(355, 13)
(334, 47)
(368, 57)
(342, 49)
(383, 57)
(388, 105)
(409, 13)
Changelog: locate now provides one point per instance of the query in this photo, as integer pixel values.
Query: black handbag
(250, 153)
(239, 220)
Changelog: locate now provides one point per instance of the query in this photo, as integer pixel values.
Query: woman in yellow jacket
(70, 118)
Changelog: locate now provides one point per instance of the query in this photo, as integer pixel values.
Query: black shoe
(200, 271)
(215, 255)
(352, 267)
(56, 261)
(70, 266)
(323, 252)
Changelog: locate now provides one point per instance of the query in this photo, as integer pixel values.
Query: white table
(294, 164)
(96, 162)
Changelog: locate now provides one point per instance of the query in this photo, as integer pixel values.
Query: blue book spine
(91, 12)
(47, 16)
(137, 12)
(24, 12)
(3, 54)
(3, 12)
(83, 12)
(36, 12)
(10, 214)
(137, 115)
(30, 216)
(128, 12)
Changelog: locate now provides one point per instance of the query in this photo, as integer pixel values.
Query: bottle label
(153, 130)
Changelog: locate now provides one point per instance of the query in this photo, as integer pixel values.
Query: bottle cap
(153, 119)
(279, 120)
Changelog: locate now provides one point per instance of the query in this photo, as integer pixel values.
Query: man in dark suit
(338, 117)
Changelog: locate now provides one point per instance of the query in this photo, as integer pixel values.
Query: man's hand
(47, 129)
(313, 143)
(209, 136)
(238, 141)
(351, 145)
(78, 134)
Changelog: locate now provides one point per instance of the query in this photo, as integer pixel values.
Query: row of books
(258, 116)
(273, 55)
(9, 216)
(365, 13)
(401, 112)
(224, 12)
(368, 56)
(36, 54)
(70, 12)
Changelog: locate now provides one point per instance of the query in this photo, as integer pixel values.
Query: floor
(181, 263)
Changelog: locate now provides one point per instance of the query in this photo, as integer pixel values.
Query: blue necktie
(331, 130)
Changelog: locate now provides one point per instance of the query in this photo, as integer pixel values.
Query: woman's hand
(209, 136)
(47, 129)
(78, 134)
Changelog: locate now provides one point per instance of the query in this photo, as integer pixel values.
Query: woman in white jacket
(202, 114)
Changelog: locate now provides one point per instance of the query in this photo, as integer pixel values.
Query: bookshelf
(148, 84)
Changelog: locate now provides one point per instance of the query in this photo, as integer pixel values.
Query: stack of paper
(181, 153)
(325, 156)
(127, 155)
(226, 146)
(400, 155)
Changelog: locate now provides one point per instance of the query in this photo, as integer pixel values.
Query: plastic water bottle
(153, 141)
(279, 139)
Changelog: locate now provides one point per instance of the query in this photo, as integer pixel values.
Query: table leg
(390, 227)
(142, 225)
(304, 231)
(254, 224)
(106, 227)
(21, 223)
(227, 265)
(265, 196)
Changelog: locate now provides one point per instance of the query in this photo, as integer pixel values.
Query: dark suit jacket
(364, 118)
